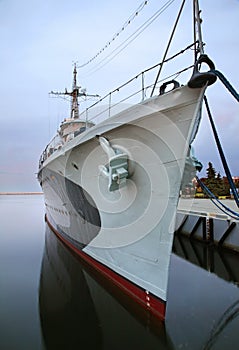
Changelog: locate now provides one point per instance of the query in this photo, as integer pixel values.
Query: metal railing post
(142, 86)
(109, 104)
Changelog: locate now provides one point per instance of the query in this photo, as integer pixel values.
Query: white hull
(130, 230)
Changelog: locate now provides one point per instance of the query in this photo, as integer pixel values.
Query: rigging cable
(229, 87)
(175, 75)
(169, 43)
(230, 180)
(212, 197)
(224, 162)
(124, 26)
(133, 36)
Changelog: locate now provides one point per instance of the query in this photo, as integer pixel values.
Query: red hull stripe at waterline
(151, 303)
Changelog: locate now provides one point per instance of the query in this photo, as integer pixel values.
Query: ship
(111, 176)
(72, 307)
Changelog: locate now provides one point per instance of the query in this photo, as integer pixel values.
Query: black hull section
(69, 208)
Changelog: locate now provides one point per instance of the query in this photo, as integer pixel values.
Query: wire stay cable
(123, 27)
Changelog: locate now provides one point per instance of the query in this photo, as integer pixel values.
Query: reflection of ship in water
(204, 310)
(76, 312)
(222, 262)
(64, 299)
(228, 316)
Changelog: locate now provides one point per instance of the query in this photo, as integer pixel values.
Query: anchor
(117, 169)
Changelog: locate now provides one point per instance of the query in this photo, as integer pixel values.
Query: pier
(200, 219)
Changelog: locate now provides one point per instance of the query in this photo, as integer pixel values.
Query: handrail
(143, 87)
(57, 143)
(142, 90)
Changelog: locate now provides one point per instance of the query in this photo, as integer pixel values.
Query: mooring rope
(223, 158)
(224, 80)
(212, 197)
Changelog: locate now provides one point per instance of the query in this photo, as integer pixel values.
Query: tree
(211, 181)
(215, 183)
(211, 172)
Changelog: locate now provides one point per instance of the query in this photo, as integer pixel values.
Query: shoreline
(19, 193)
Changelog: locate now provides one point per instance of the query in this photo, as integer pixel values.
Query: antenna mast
(197, 29)
(74, 94)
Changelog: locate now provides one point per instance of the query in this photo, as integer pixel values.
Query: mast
(197, 29)
(74, 94)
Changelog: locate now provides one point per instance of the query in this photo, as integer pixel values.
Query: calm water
(48, 300)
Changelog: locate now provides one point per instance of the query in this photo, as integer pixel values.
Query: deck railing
(117, 99)
(135, 90)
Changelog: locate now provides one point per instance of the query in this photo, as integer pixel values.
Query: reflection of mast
(74, 94)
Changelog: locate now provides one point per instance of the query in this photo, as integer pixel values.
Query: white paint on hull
(137, 222)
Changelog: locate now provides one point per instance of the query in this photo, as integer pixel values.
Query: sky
(40, 40)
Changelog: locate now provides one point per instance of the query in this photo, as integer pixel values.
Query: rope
(224, 162)
(223, 79)
(226, 168)
(212, 197)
